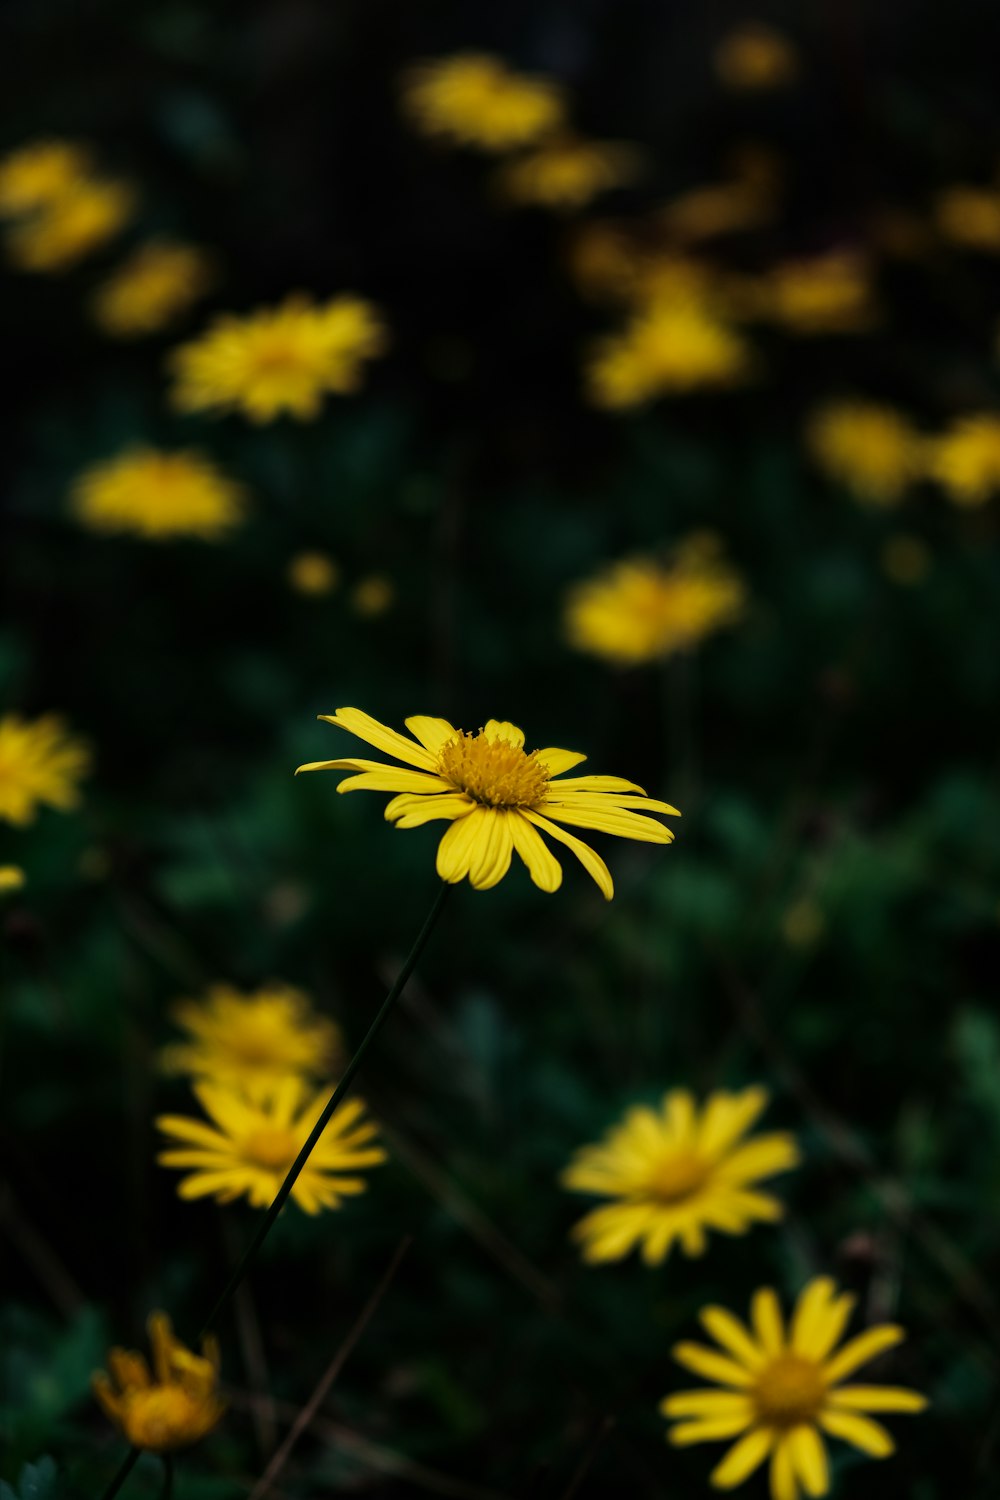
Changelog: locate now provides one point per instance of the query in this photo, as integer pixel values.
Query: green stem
(266, 1224)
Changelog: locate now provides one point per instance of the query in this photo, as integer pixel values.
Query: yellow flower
(495, 796)
(822, 294)
(755, 57)
(313, 573)
(870, 449)
(970, 216)
(157, 283)
(158, 496)
(71, 226)
(39, 762)
(278, 359)
(675, 1172)
(966, 461)
(717, 209)
(474, 99)
(668, 347)
(34, 176)
(253, 1040)
(641, 609)
(782, 1389)
(175, 1404)
(12, 878)
(566, 172)
(252, 1142)
(372, 596)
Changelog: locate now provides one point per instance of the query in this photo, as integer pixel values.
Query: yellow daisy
(668, 347)
(158, 496)
(278, 359)
(40, 762)
(71, 226)
(676, 1172)
(821, 294)
(966, 460)
(169, 1407)
(755, 57)
(36, 175)
(782, 1389)
(643, 610)
(566, 172)
(871, 449)
(157, 283)
(253, 1040)
(252, 1142)
(497, 798)
(12, 878)
(474, 99)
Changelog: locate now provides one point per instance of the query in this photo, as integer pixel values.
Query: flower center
(271, 1148)
(493, 772)
(161, 1417)
(278, 359)
(676, 1177)
(789, 1390)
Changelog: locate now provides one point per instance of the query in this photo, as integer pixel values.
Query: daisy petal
(410, 810)
(458, 845)
(591, 861)
(729, 1332)
(861, 1349)
(765, 1312)
(709, 1430)
(809, 1458)
(432, 733)
(784, 1485)
(502, 729)
(877, 1398)
(542, 865)
(382, 737)
(710, 1365)
(494, 846)
(558, 761)
(742, 1459)
(861, 1432)
(706, 1404)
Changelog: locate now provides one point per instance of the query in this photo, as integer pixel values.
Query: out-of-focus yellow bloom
(36, 175)
(716, 209)
(642, 609)
(372, 596)
(157, 283)
(12, 878)
(278, 359)
(675, 1172)
(474, 99)
(40, 762)
(71, 226)
(252, 1142)
(966, 460)
(313, 573)
(755, 57)
(496, 797)
(822, 294)
(783, 1388)
(906, 560)
(158, 496)
(566, 172)
(175, 1404)
(254, 1040)
(970, 216)
(872, 450)
(666, 348)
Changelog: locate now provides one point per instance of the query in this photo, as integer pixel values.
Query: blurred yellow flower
(905, 560)
(372, 596)
(966, 460)
(175, 1404)
(970, 216)
(717, 209)
(474, 99)
(12, 878)
(71, 226)
(278, 359)
(254, 1039)
(871, 449)
(676, 1172)
(495, 796)
(641, 609)
(40, 762)
(159, 281)
(567, 172)
(783, 1389)
(821, 294)
(666, 348)
(35, 175)
(252, 1142)
(158, 496)
(313, 573)
(755, 57)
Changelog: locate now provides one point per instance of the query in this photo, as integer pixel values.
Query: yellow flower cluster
(159, 282)
(170, 1406)
(642, 610)
(158, 496)
(61, 209)
(254, 1061)
(876, 453)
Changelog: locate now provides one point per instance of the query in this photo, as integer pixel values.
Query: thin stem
(266, 1224)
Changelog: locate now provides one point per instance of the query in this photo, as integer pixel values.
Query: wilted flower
(40, 762)
(474, 99)
(158, 496)
(157, 283)
(676, 1172)
(175, 1404)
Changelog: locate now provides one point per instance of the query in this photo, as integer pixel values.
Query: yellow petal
(706, 1404)
(558, 761)
(458, 845)
(432, 733)
(861, 1349)
(810, 1311)
(679, 1115)
(728, 1331)
(784, 1485)
(809, 1459)
(709, 1430)
(492, 852)
(712, 1366)
(765, 1313)
(742, 1459)
(861, 1432)
(542, 865)
(502, 729)
(598, 784)
(877, 1398)
(412, 811)
(591, 861)
(727, 1117)
(623, 825)
(393, 779)
(382, 737)
(763, 1156)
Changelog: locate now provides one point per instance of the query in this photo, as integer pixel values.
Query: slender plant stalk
(267, 1222)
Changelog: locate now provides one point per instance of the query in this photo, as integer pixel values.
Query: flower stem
(267, 1222)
